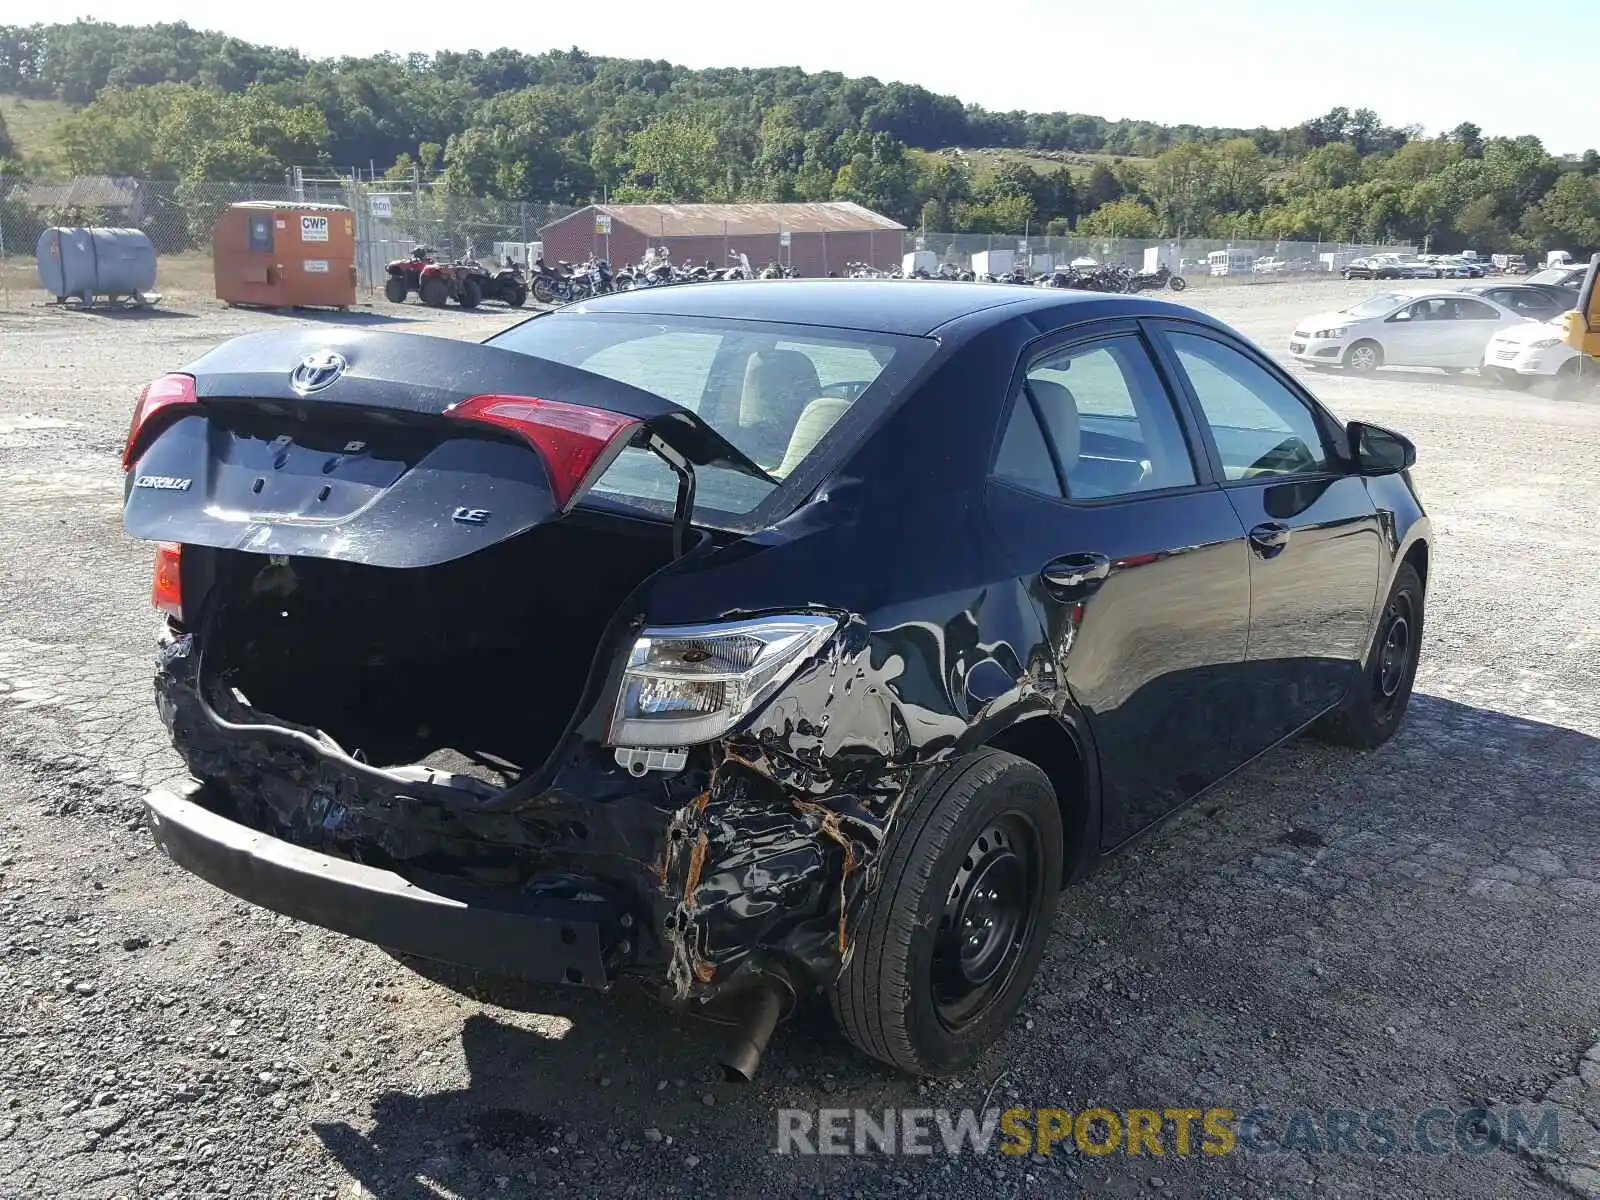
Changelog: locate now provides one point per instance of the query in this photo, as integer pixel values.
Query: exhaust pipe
(756, 1014)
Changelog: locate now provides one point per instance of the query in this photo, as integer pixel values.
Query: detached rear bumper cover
(368, 903)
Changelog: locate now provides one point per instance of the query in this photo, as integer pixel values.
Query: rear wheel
(395, 290)
(434, 292)
(471, 293)
(542, 292)
(517, 295)
(1377, 701)
(950, 941)
(1363, 356)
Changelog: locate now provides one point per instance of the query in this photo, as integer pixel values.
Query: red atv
(435, 283)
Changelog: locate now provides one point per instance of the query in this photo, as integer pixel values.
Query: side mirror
(1378, 451)
(1403, 315)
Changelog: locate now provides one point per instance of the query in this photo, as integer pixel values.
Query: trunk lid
(377, 448)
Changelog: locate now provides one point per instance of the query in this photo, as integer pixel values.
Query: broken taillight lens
(167, 591)
(576, 443)
(166, 398)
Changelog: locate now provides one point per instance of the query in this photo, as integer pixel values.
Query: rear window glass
(773, 391)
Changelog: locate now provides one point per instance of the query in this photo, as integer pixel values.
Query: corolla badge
(317, 371)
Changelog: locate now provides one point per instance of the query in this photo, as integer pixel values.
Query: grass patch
(35, 126)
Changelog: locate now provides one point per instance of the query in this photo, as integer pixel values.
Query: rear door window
(1109, 427)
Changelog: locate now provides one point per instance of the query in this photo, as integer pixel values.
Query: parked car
(807, 669)
(1426, 329)
(1460, 268)
(1374, 268)
(1536, 302)
(1569, 276)
(1520, 355)
(1418, 269)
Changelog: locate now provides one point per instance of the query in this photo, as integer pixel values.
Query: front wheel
(395, 290)
(542, 292)
(517, 295)
(1177, 283)
(951, 939)
(434, 292)
(1377, 700)
(1363, 356)
(471, 294)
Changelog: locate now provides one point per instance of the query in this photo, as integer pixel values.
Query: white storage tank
(86, 263)
(919, 260)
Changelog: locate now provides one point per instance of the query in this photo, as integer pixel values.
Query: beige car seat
(819, 416)
(778, 384)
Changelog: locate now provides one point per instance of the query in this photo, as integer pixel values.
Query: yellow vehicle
(1581, 326)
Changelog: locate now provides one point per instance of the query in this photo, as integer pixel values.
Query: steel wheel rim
(988, 919)
(1394, 652)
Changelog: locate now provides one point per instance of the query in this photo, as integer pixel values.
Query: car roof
(904, 306)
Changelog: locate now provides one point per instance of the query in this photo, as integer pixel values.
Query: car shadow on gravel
(1328, 929)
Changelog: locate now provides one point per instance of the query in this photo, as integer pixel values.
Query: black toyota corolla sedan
(752, 639)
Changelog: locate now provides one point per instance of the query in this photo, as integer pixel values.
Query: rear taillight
(167, 591)
(165, 399)
(576, 443)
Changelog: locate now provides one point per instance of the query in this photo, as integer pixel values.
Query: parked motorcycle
(1154, 281)
(552, 285)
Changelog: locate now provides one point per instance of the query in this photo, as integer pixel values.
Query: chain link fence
(1198, 260)
(391, 217)
(178, 218)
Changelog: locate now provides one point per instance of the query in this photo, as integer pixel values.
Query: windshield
(774, 391)
(1376, 306)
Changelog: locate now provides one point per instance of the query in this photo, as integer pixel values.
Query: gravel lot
(1406, 929)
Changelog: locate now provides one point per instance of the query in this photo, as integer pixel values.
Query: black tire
(1366, 355)
(988, 817)
(517, 296)
(542, 292)
(434, 292)
(395, 290)
(1377, 699)
(471, 293)
(1177, 283)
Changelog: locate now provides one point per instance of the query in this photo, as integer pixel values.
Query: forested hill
(168, 101)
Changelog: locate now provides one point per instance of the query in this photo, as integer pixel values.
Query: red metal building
(821, 237)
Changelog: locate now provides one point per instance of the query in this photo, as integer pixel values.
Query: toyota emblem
(317, 371)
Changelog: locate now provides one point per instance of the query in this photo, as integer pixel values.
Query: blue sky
(1209, 62)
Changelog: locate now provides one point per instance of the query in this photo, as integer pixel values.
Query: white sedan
(1518, 356)
(1399, 329)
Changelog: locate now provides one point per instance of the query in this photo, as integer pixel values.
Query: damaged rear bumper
(481, 933)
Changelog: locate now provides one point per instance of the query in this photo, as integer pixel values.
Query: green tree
(1125, 218)
(1182, 183)
(1570, 211)
(1101, 188)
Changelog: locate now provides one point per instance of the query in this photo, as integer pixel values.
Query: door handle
(1269, 537)
(1073, 571)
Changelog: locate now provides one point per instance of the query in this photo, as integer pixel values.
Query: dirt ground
(1411, 928)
